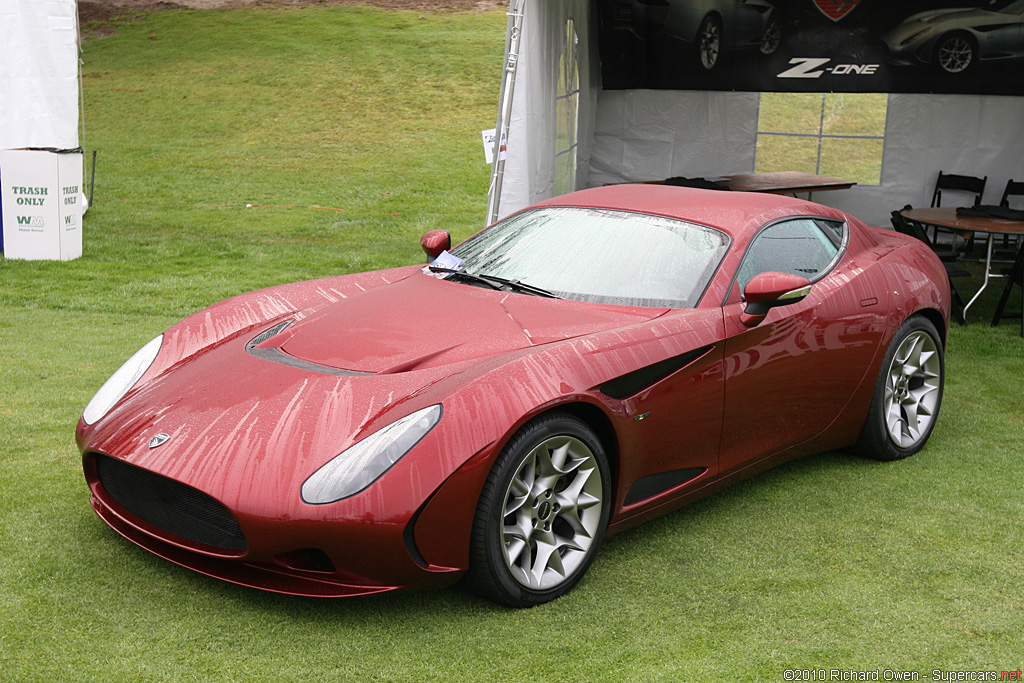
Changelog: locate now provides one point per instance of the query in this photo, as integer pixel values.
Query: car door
(1003, 38)
(787, 378)
(675, 404)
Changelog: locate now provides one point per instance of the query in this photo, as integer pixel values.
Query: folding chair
(958, 183)
(1015, 277)
(1014, 188)
(964, 184)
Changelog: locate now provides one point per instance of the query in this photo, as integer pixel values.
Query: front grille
(169, 505)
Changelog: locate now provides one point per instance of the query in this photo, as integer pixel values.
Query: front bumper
(314, 557)
(267, 576)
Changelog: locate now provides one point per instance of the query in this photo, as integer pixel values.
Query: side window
(802, 246)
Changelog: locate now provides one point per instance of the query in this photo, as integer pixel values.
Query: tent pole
(516, 9)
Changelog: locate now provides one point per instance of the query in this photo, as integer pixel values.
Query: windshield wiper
(495, 282)
(521, 286)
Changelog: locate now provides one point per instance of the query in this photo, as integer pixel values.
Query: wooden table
(781, 182)
(947, 217)
(784, 182)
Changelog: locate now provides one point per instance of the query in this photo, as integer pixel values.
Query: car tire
(955, 53)
(709, 42)
(772, 36)
(542, 513)
(908, 394)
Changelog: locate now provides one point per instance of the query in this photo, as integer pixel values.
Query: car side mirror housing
(768, 290)
(434, 242)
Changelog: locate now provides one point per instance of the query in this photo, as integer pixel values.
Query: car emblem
(159, 440)
(836, 9)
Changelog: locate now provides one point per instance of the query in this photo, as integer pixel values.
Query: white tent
(39, 94)
(41, 196)
(628, 135)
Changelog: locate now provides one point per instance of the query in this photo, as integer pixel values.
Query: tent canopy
(639, 134)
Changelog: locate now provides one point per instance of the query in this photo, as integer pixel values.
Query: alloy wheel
(552, 512)
(955, 54)
(709, 43)
(912, 389)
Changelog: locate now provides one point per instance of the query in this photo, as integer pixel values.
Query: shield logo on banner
(836, 9)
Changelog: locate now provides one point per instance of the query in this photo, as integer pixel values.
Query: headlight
(362, 464)
(121, 381)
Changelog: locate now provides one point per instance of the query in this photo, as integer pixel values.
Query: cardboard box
(41, 194)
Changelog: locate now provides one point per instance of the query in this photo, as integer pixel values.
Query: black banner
(936, 46)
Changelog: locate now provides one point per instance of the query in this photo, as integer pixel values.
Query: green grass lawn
(352, 131)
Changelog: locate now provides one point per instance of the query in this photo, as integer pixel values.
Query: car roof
(739, 214)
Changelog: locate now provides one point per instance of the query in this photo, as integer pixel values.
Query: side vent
(409, 538)
(638, 380)
(648, 487)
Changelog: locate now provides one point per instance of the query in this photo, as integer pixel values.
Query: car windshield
(599, 255)
(1008, 6)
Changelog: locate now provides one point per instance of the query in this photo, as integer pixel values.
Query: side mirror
(434, 242)
(768, 290)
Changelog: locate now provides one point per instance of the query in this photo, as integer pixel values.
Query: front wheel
(772, 37)
(709, 42)
(542, 513)
(908, 394)
(955, 53)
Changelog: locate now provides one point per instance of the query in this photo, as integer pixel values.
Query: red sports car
(579, 367)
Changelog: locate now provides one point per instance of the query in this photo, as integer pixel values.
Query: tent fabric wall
(656, 134)
(530, 169)
(38, 73)
(980, 135)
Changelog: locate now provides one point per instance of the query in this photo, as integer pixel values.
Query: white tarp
(530, 168)
(632, 135)
(38, 74)
(658, 134)
(979, 135)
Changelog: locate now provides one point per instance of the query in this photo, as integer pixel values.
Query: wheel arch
(596, 419)
(711, 14)
(429, 533)
(935, 318)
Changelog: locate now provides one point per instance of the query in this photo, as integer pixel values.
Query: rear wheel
(908, 394)
(542, 513)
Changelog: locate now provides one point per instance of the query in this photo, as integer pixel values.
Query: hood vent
(277, 356)
(272, 332)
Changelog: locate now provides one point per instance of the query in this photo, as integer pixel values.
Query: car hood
(962, 17)
(249, 430)
(422, 322)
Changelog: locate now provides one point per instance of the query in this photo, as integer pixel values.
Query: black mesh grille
(272, 332)
(170, 505)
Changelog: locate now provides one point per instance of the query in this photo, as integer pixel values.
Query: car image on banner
(705, 27)
(956, 39)
(583, 365)
(815, 46)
